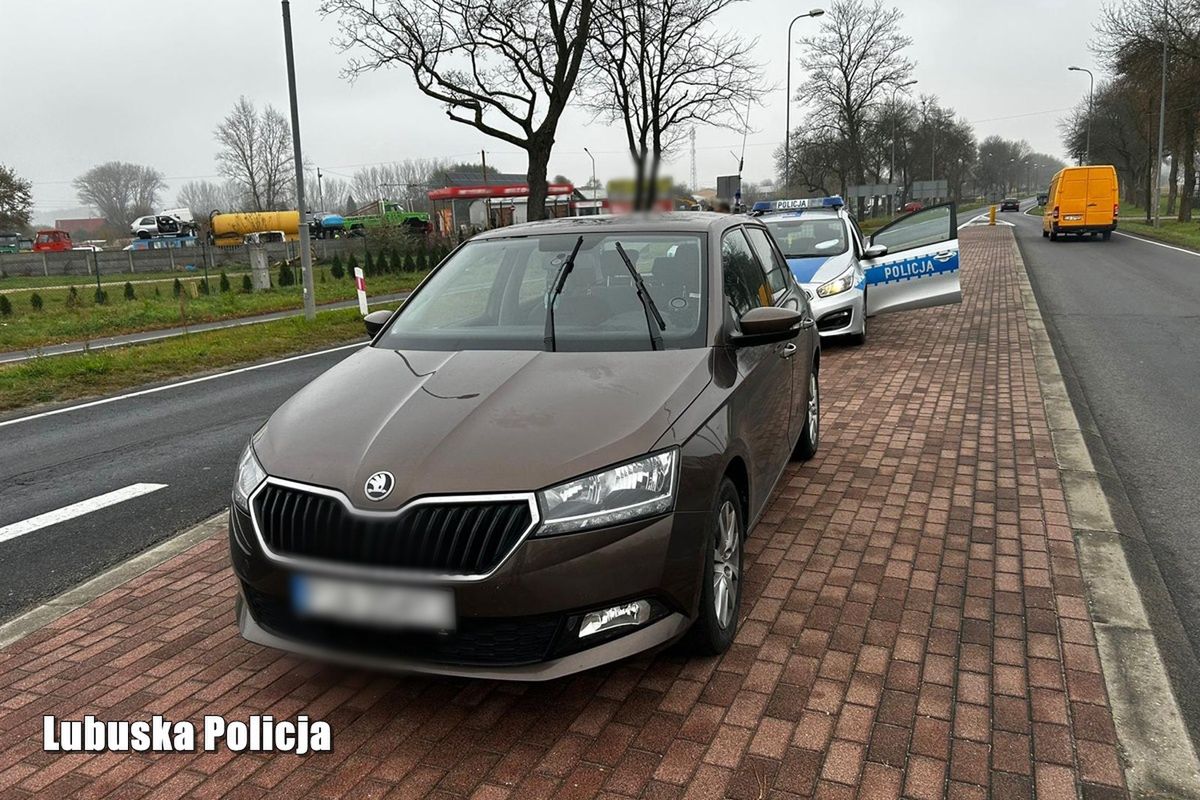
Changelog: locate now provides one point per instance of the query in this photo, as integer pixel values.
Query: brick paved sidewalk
(915, 626)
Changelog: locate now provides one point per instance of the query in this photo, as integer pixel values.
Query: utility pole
(1162, 117)
(320, 190)
(595, 188)
(310, 303)
(692, 139)
(787, 124)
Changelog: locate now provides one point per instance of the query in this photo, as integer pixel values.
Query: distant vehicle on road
(327, 226)
(15, 243)
(1083, 201)
(52, 241)
(911, 206)
(1042, 198)
(391, 214)
(160, 225)
(1010, 204)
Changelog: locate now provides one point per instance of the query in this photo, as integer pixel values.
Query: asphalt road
(186, 436)
(1124, 317)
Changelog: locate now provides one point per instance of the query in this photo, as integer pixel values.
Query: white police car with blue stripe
(910, 263)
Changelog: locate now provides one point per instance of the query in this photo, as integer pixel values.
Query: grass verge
(1171, 231)
(16, 283)
(78, 375)
(155, 306)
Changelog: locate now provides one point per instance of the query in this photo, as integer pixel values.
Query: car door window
(928, 226)
(746, 285)
(777, 269)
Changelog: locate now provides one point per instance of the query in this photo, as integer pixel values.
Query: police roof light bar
(765, 206)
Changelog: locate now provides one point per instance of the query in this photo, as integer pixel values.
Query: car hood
(477, 421)
(811, 270)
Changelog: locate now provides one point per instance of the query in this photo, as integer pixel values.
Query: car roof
(799, 213)
(666, 222)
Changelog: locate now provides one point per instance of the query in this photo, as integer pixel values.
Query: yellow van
(1083, 201)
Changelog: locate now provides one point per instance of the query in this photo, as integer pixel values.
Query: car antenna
(656, 340)
(555, 290)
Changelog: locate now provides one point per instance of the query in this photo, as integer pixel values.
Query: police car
(912, 262)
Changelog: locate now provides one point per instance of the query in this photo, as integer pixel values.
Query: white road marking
(77, 509)
(179, 385)
(1158, 244)
(975, 221)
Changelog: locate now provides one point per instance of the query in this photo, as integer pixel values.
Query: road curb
(34, 619)
(1160, 760)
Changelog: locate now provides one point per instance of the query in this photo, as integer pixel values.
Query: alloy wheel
(727, 564)
(814, 410)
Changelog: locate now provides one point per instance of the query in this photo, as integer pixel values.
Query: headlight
(838, 285)
(249, 475)
(638, 489)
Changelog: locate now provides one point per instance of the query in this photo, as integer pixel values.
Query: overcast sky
(114, 83)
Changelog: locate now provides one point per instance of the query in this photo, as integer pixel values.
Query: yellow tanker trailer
(228, 230)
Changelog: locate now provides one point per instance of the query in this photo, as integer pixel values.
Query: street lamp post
(593, 158)
(1087, 148)
(310, 303)
(787, 124)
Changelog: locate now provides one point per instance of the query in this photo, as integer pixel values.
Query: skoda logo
(379, 485)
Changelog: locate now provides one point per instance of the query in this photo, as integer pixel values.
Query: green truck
(391, 214)
(15, 243)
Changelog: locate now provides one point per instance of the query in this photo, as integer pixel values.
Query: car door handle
(807, 321)
(788, 350)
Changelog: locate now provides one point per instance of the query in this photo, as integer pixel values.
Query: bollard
(991, 215)
(361, 285)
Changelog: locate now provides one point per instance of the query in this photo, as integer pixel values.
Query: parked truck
(230, 230)
(390, 214)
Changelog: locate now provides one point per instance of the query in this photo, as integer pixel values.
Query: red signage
(495, 191)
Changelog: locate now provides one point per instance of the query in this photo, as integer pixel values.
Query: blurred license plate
(373, 604)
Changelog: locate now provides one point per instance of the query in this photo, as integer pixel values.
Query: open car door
(920, 267)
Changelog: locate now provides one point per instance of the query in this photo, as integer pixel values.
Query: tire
(1106, 235)
(1054, 236)
(721, 588)
(143, 235)
(1045, 233)
(810, 436)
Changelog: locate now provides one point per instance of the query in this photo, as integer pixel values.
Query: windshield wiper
(652, 315)
(555, 290)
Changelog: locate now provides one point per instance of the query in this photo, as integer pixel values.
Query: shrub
(368, 265)
(5, 306)
(322, 273)
(336, 270)
(202, 285)
(224, 282)
(286, 276)
(35, 300)
(247, 286)
(157, 293)
(351, 265)
(176, 288)
(409, 264)
(101, 297)
(73, 298)
(397, 263)
(129, 295)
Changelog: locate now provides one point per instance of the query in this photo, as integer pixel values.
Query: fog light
(616, 617)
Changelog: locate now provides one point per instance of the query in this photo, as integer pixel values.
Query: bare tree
(16, 200)
(256, 155)
(505, 67)
(407, 181)
(120, 191)
(204, 197)
(855, 62)
(663, 67)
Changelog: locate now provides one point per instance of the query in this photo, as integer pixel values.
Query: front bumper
(840, 315)
(519, 623)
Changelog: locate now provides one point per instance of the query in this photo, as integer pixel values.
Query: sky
(150, 90)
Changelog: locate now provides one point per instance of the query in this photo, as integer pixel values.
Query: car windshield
(492, 293)
(804, 237)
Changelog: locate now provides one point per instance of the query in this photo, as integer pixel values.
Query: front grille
(490, 641)
(452, 538)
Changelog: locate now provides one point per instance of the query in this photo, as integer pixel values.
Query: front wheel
(810, 437)
(721, 593)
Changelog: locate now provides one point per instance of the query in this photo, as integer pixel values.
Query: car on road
(1010, 204)
(1083, 201)
(15, 243)
(911, 206)
(547, 459)
(1042, 198)
(845, 277)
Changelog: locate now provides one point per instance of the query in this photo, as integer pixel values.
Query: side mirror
(875, 251)
(375, 321)
(767, 324)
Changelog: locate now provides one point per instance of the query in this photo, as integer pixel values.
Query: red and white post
(361, 285)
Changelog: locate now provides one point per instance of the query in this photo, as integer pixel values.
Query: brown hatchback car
(548, 459)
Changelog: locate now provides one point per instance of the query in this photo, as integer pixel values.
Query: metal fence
(170, 259)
